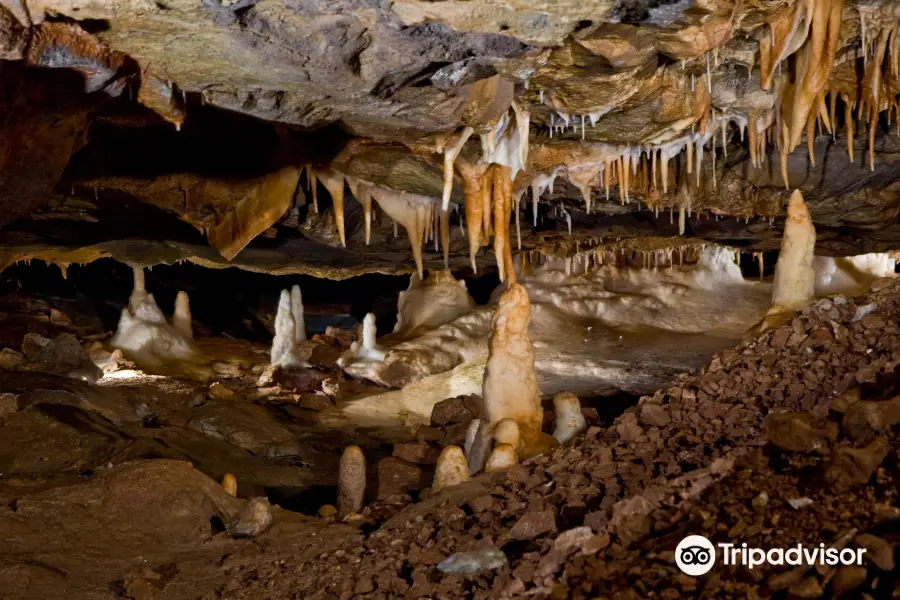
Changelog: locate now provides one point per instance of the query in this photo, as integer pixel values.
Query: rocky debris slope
(602, 516)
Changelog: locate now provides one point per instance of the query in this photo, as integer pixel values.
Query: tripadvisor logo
(695, 555)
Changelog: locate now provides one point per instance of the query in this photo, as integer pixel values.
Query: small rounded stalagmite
(570, 420)
(351, 481)
(229, 482)
(503, 457)
(452, 468)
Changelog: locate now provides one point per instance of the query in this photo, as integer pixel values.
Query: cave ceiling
(224, 132)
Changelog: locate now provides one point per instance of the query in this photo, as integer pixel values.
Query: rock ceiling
(172, 129)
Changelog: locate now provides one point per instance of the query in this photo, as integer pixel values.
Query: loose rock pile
(732, 452)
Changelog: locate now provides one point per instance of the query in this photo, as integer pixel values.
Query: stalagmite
(502, 457)
(451, 469)
(282, 352)
(139, 291)
(569, 419)
(430, 303)
(181, 320)
(143, 334)
(366, 348)
(795, 277)
(229, 483)
(510, 383)
(507, 432)
(450, 154)
(351, 481)
(334, 183)
(297, 312)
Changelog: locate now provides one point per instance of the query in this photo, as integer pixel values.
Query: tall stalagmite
(510, 382)
(795, 276)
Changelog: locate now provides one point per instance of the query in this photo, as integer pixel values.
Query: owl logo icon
(695, 555)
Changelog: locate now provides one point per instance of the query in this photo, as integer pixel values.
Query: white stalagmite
(439, 298)
(569, 419)
(507, 432)
(282, 352)
(851, 275)
(795, 277)
(139, 290)
(451, 469)
(143, 334)
(503, 457)
(366, 348)
(297, 312)
(351, 481)
(510, 383)
(181, 320)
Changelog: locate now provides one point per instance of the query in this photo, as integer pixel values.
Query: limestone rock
(254, 518)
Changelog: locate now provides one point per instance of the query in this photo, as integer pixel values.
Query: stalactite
(814, 63)
(518, 226)
(502, 196)
(450, 154)
(473, 180)
(486, 202)
(445, 236)
(411, 211)
(334, 183)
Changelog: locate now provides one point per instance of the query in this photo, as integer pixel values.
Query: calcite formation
(570, 421)
(795, 276)
(145, 336)
(290, 328)
(510, 382)
(351, 482)
(451, 468)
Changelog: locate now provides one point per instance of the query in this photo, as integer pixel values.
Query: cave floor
(765, 446)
